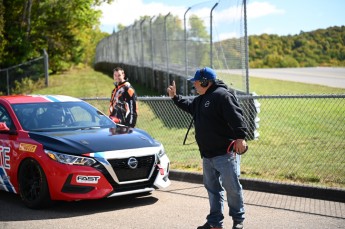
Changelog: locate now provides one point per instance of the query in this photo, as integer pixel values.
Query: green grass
(86, 82)
(279, 87)
(79, 83)
(308, 158)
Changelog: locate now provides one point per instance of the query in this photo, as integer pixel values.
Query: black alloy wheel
(33, 186)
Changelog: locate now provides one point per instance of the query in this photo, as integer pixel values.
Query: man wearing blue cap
(220, 132)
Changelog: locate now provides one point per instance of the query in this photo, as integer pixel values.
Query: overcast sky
(281, 17)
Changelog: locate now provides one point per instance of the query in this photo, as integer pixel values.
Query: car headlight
(70, 159)
(161, 151)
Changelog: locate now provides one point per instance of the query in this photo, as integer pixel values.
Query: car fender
(24, 151)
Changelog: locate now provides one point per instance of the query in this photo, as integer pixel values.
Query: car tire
(33, 186)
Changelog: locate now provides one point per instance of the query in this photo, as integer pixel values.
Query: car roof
(15, 99)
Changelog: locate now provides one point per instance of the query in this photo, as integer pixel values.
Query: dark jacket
(218, 119)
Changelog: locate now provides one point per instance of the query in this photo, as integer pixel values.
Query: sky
(281, 17)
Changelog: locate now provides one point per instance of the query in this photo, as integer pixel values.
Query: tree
(64, 28)
(197, 29)
(322, 47)
(199, 38)
(2, 41)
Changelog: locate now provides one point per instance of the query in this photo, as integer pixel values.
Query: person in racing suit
(123, 102)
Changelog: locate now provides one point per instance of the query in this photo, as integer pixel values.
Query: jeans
(222, 173)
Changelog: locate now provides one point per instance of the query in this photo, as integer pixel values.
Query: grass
(85, 82)
(297, 161)
(304, 135)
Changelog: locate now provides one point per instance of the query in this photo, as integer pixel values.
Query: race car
(60, 148)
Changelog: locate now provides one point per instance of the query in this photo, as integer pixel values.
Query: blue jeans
(222, 173)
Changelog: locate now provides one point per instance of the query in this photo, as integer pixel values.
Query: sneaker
(208, 226)
(237, 225)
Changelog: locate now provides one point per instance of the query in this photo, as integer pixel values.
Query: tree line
(322, 47)
(67, 29)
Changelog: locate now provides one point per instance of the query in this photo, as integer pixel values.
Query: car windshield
(60, 116)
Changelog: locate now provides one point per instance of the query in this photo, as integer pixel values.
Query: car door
(7, 142)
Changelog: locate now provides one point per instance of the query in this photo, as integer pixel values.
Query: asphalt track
(182, 205)
(326, 76)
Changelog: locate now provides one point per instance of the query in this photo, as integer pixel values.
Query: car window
(5, 117)
(81, 115)
(59, 115)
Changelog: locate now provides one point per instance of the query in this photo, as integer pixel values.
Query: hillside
(322, 47)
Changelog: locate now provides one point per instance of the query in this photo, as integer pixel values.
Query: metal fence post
(7, 82)
(46, 67)
(246, 45)
(167, 47)
(142, 53)
(152, 51)
(211, 36)
(185, 51)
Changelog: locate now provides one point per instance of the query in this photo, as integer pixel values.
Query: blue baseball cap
(207, 73)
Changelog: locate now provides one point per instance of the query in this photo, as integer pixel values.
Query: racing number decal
(5, 159)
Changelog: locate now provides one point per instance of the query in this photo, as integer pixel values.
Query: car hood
(94, 140)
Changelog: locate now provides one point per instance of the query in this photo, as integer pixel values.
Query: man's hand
(172, 90)
(240, 146)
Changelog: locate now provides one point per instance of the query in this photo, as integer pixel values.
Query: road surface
(327, 76)
(182, 205)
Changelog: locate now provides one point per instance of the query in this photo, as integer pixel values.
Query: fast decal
(87, 179)
(5, 159)
(27, 147)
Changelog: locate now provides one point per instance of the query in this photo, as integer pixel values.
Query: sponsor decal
(87, 179)
(27, 147)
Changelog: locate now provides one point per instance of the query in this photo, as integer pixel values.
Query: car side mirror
(3, 127)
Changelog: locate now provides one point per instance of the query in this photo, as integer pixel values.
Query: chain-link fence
(301, 138)
(32, 74)
(293, 140)
(155, 50)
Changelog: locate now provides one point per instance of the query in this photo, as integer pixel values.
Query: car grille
(135, 186)
(125, 173)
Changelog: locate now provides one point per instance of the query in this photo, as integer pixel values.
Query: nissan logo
(132, 163)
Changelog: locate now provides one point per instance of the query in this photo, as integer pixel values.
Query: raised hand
(172, 90)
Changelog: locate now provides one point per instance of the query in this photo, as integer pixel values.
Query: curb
(330, 194)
